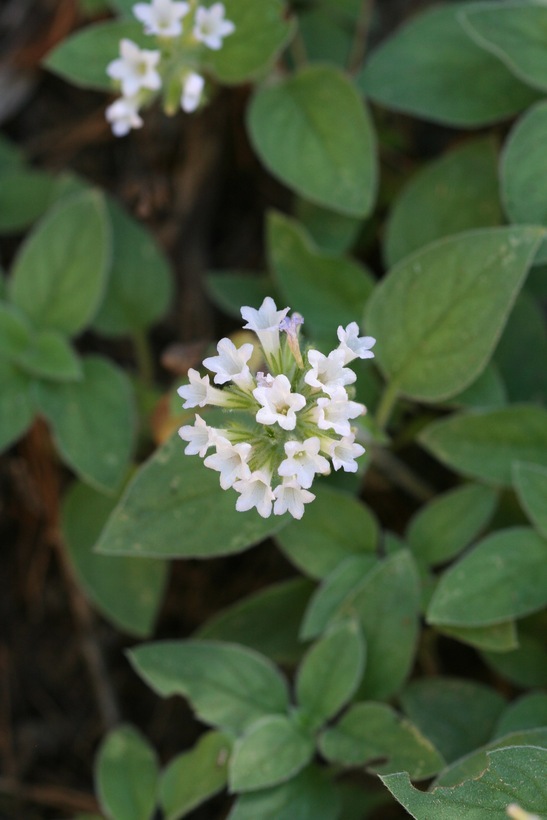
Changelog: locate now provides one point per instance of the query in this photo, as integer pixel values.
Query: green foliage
(307, 796)
(126, 775)
(369, 731)
(127, 591)
(294, 129)
(439, 313)
(433, 69)
(485, 445)
(456, 193)
(59, 276)
(513, 775)
(195, 776)
(504, 576)
(530, 482)
(229, 686)
(318, 543)
(171, 509)
(332, 290)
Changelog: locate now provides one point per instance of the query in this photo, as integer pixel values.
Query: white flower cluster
(286, 423)
(141, 72)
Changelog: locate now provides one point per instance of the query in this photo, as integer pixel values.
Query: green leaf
(474, 764)
(127, 775)
(272, 750)
(442, 528)
(334, 589)
(10, 155)
(330, 231)
(127, 591)
(455, 715)
(50, 356)
(17, 408)
(485, 393)
(325, 37)
(320, 541)
(387, 605)
(501, 637)
(504, 576)
(369, 731)
(230, 290)
(267, 621)
(83, 57)
(527, 712)
(530, 481)
(514, 32)
(455, 193)
(92, 422)
(59, 274)
(15, 332)
(195, 776)
(308, 796)
(24, 196)
(229, 686)
(174, 508)
(524, 666)
(330, 673)
(327, 290)
(139, 288)
(522, 165)
(513, 775)
(261, 31)
(424, 67)
(485, 445)
(522, 352)
(294, 127)
(438, 314)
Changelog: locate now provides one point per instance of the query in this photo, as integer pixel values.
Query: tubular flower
(293, 419)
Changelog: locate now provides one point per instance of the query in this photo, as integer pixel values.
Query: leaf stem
(143, 356)
(386, 405)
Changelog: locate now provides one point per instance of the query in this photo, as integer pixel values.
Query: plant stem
(401, 475)
(359, 44)
(385, 407)
(143, 357)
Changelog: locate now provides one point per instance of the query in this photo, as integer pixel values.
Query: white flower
(161, 17)
(255, 491)
(278, 403)
(291, 497)
(196, 393)
(328, 372)
(344, 453)
(303, 461)
(123, 115)
(333, 413)
(353, 345)
(231, 363)
(210, 26)
(230, 460)
(265, 323)
(135, 69)
(200, 437)
(192, 90)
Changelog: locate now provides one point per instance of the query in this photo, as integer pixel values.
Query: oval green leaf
(530, 481)
(60, 272)
(503, 577)
(228, 686)
(438, 314)
(126, 775)
(295, 129)
(424, 67)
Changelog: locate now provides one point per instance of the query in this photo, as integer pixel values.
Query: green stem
(143, 357)
(386, 405)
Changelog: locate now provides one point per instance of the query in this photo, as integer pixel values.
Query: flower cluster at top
(180, 28)
(287, 423)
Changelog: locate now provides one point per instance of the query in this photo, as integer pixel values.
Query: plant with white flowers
(287, 423)
(182, 30)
